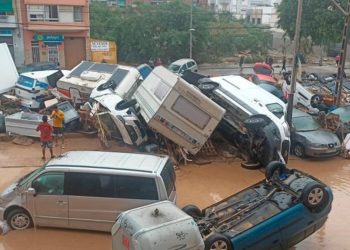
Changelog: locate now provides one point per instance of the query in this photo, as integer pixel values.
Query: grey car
(308, 139)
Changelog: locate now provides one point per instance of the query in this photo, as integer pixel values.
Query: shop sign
(58, 39)
(99, 46)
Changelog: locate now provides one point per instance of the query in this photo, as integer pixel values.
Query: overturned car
(254, 120)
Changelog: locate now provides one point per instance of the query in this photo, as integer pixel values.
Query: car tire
(314, 196)
(124, 104)
(251, 165)
(316, 101)
(299, 150)
(110, 84)
(272, 168)
(19, 219)
(217, 241)
(193, 211)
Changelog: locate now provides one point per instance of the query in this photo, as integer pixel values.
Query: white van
(254, 118)
(87, 190)
(159, 226)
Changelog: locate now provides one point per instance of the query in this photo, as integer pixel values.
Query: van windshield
(169, 177)
(276, 109)
(23, 180)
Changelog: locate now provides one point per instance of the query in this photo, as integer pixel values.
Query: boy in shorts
(45, 136)
(58, 121)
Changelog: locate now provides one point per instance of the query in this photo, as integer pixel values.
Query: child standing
(45, 136)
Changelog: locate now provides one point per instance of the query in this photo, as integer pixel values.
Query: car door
(95, 200)
(49, 204)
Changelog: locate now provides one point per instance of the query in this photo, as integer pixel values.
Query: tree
(320, 21)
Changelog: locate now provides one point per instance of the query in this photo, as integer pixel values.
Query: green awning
(6, 6)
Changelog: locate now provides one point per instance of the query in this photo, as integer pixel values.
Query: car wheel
(217, 242)
(316, 101)
(124, 104)
(193, 211)
(110, 84)
(251, 165)
(274, 168)
(19, 219)
(315, 196)
(299, 150)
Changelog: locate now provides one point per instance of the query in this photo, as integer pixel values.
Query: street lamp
(191, 28)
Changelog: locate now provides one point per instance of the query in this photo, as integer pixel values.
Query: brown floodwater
(200, 185)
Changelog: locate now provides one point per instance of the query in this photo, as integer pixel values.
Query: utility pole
(295, 60)
(341, 64)
(191, 28)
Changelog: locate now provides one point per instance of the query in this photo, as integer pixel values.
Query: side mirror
(31, 191)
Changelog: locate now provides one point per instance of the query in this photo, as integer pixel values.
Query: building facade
(11, 30)
(56, 31)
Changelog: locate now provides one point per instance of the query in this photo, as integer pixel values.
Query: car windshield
(276, 109)
(174, 67)
(23, 180)
(305, 123)
(343, 112)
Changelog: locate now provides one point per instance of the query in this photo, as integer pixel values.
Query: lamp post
(191, 28)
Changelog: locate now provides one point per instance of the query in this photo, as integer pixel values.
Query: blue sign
(49, 39)
(5, 32)
(28, 82)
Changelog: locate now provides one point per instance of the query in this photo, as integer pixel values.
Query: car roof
(109, 160)
(249, 90)
(39, 74)
(183, 61)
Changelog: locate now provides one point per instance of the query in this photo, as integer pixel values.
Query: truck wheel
(19, 219)
(299, 150)
(217, 241)
(110, 84)
(273, 168)
(193, 211)
(124, 104)
(315, 196)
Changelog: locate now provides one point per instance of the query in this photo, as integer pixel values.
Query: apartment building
(55, 31)
(10, 29)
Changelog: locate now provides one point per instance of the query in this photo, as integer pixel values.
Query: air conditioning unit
(90, 76)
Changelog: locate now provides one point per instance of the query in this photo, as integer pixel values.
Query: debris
(4, 228)
(23, 140)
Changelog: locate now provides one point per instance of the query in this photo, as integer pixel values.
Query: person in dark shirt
(45, 136)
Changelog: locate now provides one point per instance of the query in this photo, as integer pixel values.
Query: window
(258, 21)
(78, 17)
(169, 177)
(53, 54)
(35, 52)
(132, 187)
(49, 183)
(276, 109)
(191, 112)
(51, 13)
(111, 186)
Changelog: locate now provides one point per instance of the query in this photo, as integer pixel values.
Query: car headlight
(286, 129)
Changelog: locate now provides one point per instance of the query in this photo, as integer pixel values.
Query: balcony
(224, 1)
(58, 2)
(8, 21)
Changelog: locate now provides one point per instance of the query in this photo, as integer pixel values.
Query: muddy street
(199, 185)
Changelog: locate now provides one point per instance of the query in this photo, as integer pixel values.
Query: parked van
(159, 226)
(87, 190)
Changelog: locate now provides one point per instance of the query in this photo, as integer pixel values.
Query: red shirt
(45, 131)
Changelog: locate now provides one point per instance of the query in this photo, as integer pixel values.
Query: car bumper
(322, 152)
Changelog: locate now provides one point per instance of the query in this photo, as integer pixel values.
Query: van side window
(111, 186)
(132, 187)
(49, 183)
(86, 184)
(169, 177)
